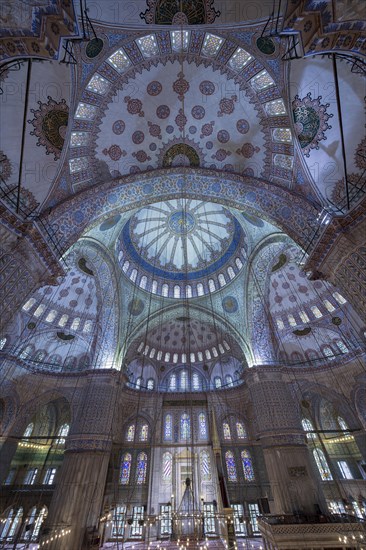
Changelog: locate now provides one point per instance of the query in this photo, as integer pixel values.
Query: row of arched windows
(205, 466)
(41, 356)
(327, 351)
(12, 524)
(246, 463)
(141, 433)
(313, 311)
(140, 469)
(76, 323)
(62, 432)
(184, 428)
(192, 357)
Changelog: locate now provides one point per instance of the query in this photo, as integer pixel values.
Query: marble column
(291, 473)
(76, 504)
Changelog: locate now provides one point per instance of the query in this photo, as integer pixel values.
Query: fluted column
(294, 484)
(76, 504)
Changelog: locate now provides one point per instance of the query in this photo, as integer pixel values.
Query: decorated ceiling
(181, 159)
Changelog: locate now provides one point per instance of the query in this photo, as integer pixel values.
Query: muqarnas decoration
(311, 121)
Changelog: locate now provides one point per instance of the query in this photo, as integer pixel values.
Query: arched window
(316, 312)
(167, 466)
(39, 355)
(12, 524)
(240, 431)
(63, 432)
(188, 291)
(141, 468)
(133, 275)
(183, 380)
(130, 434)
(154, 286)
(226, 430)
(38, 523)
(144, 432)
(202, 425)
(143, 282)
(175, 357)
(208, 354)
(229, 380)
(215, 352)
(125, 266)
(168, 427)
(343, 425)
(322, 464)
(165, 290)
(51, 316)
(342, 346)
(217, 382)
(339, 298)
(63, 320)
(75, 324)
(150, 384)
(211, 285)
(230, 466)
(230, 272)
(2, 343)
(176, 291)
(29, 430)
(184, 358)
(195, 381)
(205, 466)
(247, 465)
(173, 383)
(152, 353)
(309, 428)
(26, 352)
(28, 304)
(185, 426)
(124, 477)
(138, 382)
(199, 355)
(29, 524)
(328, 352)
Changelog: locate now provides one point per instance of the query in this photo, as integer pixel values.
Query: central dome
(182, 241)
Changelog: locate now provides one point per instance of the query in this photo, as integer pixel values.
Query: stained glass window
(239, 59)
(241, 433)
(275, 108)
(205, 466)
(283, 161)
(119, 61)
(144, 432)
(283, 135)
(291, 320)
(88, 325)
(138, 383)
(192, 357)
(148, 45)
(150, 383)
(98, 84)
(185, 426)
(130, 435)
(230, 466)
(63, 432)
(316, 312)
(329, 306)
(124, 477)
(226, 430)
(202, 425)
(118, 521)
(342, 346)
(322, 465)
(229, 380)
(308, 427)
(217, 382)
(179, 40)
(328, 352)
(304, 317)
(79, 139)
(168, 427)
(183, 380)
(239, 524)
(38, 523)
(28, 304)
(173, 383)
(262, 80)
(167, 466)
(85, 111)
(247, 465)
(208, 354)
(343, 425)
(141, 468)
(78, 164)
(211, 44)
(75, 324)
(40, 309)
(26, 352)
(28, 431)
(339, 298)
(226, 345)
(280, 324)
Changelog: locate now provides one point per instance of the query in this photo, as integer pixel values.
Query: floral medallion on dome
(198, 112)
(118, 127)
(207, 129)
(163, 111)
(154, 88)
(181, 86)
(230, 304)
(114, 152)
(136, 306)
(5, 167)
(181, 120)
(227, 105)
(221, 155)
(134, 106)
(310, 117)
(50, 124)
(154, 130)
(247, 150)
(167, 12)
(207, 87)
(223, 136)
(242, 126)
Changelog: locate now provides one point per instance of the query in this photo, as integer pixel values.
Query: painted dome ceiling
(182, 248)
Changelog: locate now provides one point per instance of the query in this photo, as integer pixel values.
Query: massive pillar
(291, 473)
(76, 504)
